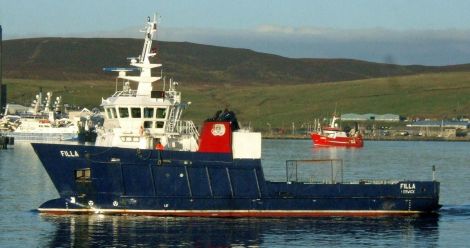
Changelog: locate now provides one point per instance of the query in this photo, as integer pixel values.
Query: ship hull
(108, 180)
(321, 140)
(63, 206)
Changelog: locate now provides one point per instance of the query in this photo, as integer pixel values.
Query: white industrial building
(370, 117)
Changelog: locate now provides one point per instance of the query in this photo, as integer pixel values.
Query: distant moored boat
(334, 136)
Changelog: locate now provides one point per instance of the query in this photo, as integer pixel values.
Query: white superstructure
(143, 117)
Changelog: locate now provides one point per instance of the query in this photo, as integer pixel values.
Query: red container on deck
(216, 137)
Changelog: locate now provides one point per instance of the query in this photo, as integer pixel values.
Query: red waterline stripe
(189, 213)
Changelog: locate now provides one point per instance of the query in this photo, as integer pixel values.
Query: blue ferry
(147, 161)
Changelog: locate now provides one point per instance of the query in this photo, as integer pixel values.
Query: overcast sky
(427, 32)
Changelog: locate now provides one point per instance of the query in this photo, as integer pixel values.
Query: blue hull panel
(93, 179)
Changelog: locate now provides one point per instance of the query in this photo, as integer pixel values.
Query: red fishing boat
(334, 136)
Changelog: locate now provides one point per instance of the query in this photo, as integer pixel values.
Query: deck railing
(187, 127)
(125, 93)
(315, 171)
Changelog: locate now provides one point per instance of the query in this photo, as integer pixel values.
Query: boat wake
(455, 210)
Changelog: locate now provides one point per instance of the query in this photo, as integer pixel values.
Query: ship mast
(145, 79)
(150, 31)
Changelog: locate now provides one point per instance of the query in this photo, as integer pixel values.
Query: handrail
(292, 168)
(125, 93)
(187, 127)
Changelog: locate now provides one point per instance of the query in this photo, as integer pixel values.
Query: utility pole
(3, 88)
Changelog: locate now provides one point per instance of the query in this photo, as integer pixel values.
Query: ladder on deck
(172, 120)
(193, 130)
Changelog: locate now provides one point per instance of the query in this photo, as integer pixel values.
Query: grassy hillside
(428, 95)
(425, 95)
(75, 59)
(261, 88)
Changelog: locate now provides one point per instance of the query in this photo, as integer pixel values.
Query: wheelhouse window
(113, 110)
(83, 175)
(147, 124)
(123, 112)
(148, 112)
(159, 124)
(108, 113)
(136, 113)
(161, 113)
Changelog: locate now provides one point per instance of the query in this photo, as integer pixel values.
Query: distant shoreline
(381, 138)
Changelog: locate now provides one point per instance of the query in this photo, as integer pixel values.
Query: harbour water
(24, 185)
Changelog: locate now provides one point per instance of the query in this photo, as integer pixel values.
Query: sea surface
(24, 185)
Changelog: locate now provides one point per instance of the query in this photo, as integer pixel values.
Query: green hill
(83, 59)
(261, 88)
(440, 95)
